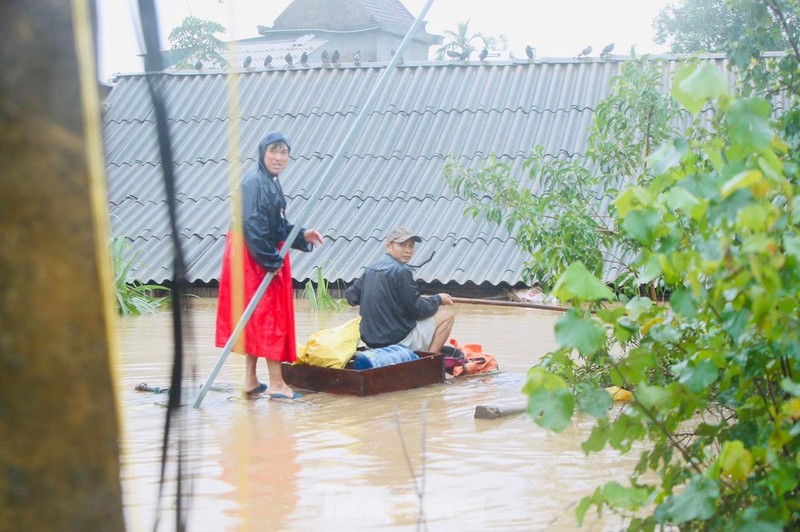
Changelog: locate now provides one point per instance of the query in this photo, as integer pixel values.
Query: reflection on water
(337, 462)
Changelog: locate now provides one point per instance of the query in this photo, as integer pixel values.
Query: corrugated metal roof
(391, 173)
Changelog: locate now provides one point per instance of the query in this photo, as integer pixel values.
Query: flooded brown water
(337, 462)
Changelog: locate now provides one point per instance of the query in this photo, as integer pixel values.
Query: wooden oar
(524, 304)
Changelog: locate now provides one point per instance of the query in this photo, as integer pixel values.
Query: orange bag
(476, 360)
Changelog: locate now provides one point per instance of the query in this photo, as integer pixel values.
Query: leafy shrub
(132, 298)
(320, 298)
(715, 370)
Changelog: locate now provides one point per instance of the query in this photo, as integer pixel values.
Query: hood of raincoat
(271, 138)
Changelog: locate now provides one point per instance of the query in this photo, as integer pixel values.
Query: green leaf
(593, 401)
(598, 438)
(748, 123)
(735, 322)
(583, 507)
(696, 502)
(792, 245)
(638, 306)
(550, 403)
(625, 430)
(652, 396)
(736, 461)
(754, 217)
(577, 283)
(618, 496)
(668, 155)
(789, 386)
(678, 198)
(696, 377)
(741, 180)
(636, 365)
(683, 303)
(705, 82)
(651, 271)
(641, 225)
(579, 332)
(753, 521)
(611, 315)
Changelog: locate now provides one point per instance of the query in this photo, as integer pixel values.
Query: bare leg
(276, 382)
(251, 381)
(444, 319)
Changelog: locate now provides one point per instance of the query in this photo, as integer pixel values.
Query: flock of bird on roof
(335, 58)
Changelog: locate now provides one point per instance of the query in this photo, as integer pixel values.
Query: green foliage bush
(711, 219)
(723, 355)
(132, 298)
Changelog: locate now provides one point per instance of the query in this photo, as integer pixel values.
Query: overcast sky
(556, 28)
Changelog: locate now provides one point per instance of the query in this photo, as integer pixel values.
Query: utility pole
(59, 434)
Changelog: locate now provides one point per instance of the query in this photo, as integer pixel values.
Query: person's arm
(353, 293)
(445, 299)
(306, 239)
(419, 307)
(256, 226)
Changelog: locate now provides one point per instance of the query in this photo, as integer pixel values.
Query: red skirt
(269, 332)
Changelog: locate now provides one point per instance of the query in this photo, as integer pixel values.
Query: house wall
(375, 45)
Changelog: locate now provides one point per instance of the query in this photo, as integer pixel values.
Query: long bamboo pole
(356, 127)
(525, 304)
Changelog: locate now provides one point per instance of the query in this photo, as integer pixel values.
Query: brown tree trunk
(59, 455)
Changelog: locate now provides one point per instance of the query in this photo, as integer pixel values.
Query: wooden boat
(427, 369)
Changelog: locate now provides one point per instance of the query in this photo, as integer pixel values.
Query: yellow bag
(331, 348)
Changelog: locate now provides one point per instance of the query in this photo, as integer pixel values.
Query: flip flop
(258, 390)
(295, 395)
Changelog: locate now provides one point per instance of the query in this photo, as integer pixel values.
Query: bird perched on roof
(586, 51)
(607, 50)
(452, 54)
(199, 65)
(304, 59)
(268, 61)
(289, 60)
(335, 57)
(357, 58)
(325, 57)
(465, 54)
(484, 53)
(530, 52)
(247, 61)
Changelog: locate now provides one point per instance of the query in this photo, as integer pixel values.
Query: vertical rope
(153, 68)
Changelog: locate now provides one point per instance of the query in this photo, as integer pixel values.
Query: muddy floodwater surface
(332, 462)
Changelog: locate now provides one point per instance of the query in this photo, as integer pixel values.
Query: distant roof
(346, 17)
(338, 14)
(389, 11)
(392, 172)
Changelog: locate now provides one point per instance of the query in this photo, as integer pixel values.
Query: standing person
(269, 333)
(392, 309)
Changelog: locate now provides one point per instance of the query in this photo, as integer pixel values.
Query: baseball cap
(402, 234)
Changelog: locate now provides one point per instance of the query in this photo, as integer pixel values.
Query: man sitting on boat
(392, 309)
